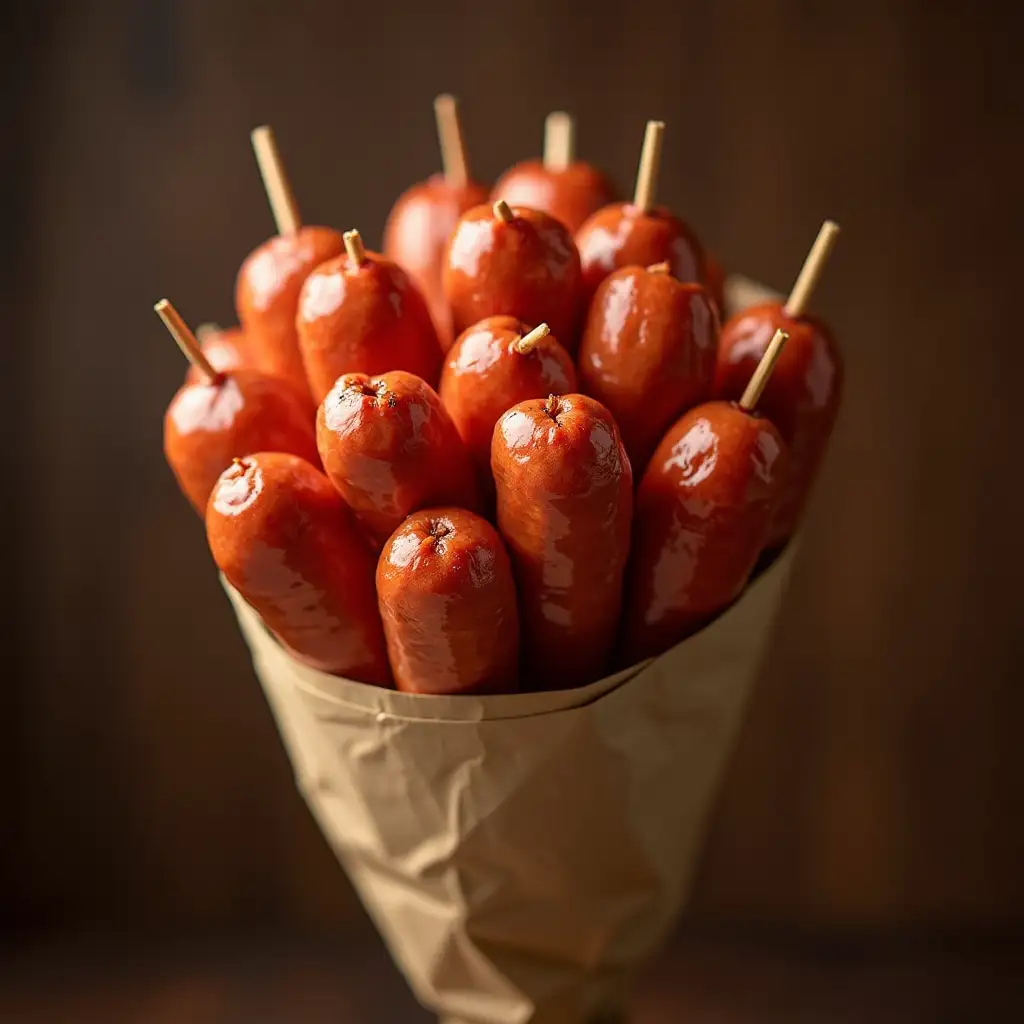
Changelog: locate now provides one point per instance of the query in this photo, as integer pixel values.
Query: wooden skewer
(354, 247)
(559, 140)
(660, 268)
(752, 394)
(275, 181)
(449, 134)
(503, 211)
(812, 269)
(204, 332)
(528, 341)
(650, 163)
(187, 341)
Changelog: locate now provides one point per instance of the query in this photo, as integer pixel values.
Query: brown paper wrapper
(523, 854)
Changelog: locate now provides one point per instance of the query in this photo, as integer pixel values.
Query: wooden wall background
(878, 780)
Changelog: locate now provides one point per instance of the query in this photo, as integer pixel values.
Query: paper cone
(523, 854)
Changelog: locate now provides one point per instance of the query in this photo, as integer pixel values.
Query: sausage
(622, 235)
(285, 540)
(448, 602)
(513, 261)
(568, 189)
(703, 510)
(225, 349)
(648, 353)
(361, 313)
(267, 296)
(801, 398)
(565, 497)
(390, 448)
(494, 365)
(417, 232)
(209, 423)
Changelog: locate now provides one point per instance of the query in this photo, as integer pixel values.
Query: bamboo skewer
(754, 389)
(354, 247)
(559, 140)
(811, 272)
(650, 164)
(275, 181)
(449, 135)
(187, 341)
(503, 211)
(528, 341)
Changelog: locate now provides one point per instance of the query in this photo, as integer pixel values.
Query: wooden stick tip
(354, 246)
(449, 135)
(503, 211)
(645, 193)
(275, 180)
(559, 140)
(813, 268)
(528, 341)
(187, 341)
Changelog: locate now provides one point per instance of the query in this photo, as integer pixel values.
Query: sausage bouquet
(506, 513)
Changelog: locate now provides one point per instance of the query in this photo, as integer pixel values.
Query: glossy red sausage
(648, 353)
(622, 235)
(267, 297)
(417, 233)
(565, 497)
(703, 510)
(225, 349)
(444, 585)
(390, 448)
(570, 194)
(364, 316)
(485, 374)
(526, 267)
(801, 398)
(286, 542)
(209, 424)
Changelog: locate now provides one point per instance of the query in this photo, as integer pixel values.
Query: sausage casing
(287, 543)
(565, 497)
(444, 584)
(390, 448)
(703, 511)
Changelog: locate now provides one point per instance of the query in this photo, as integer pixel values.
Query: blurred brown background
(877, 787)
